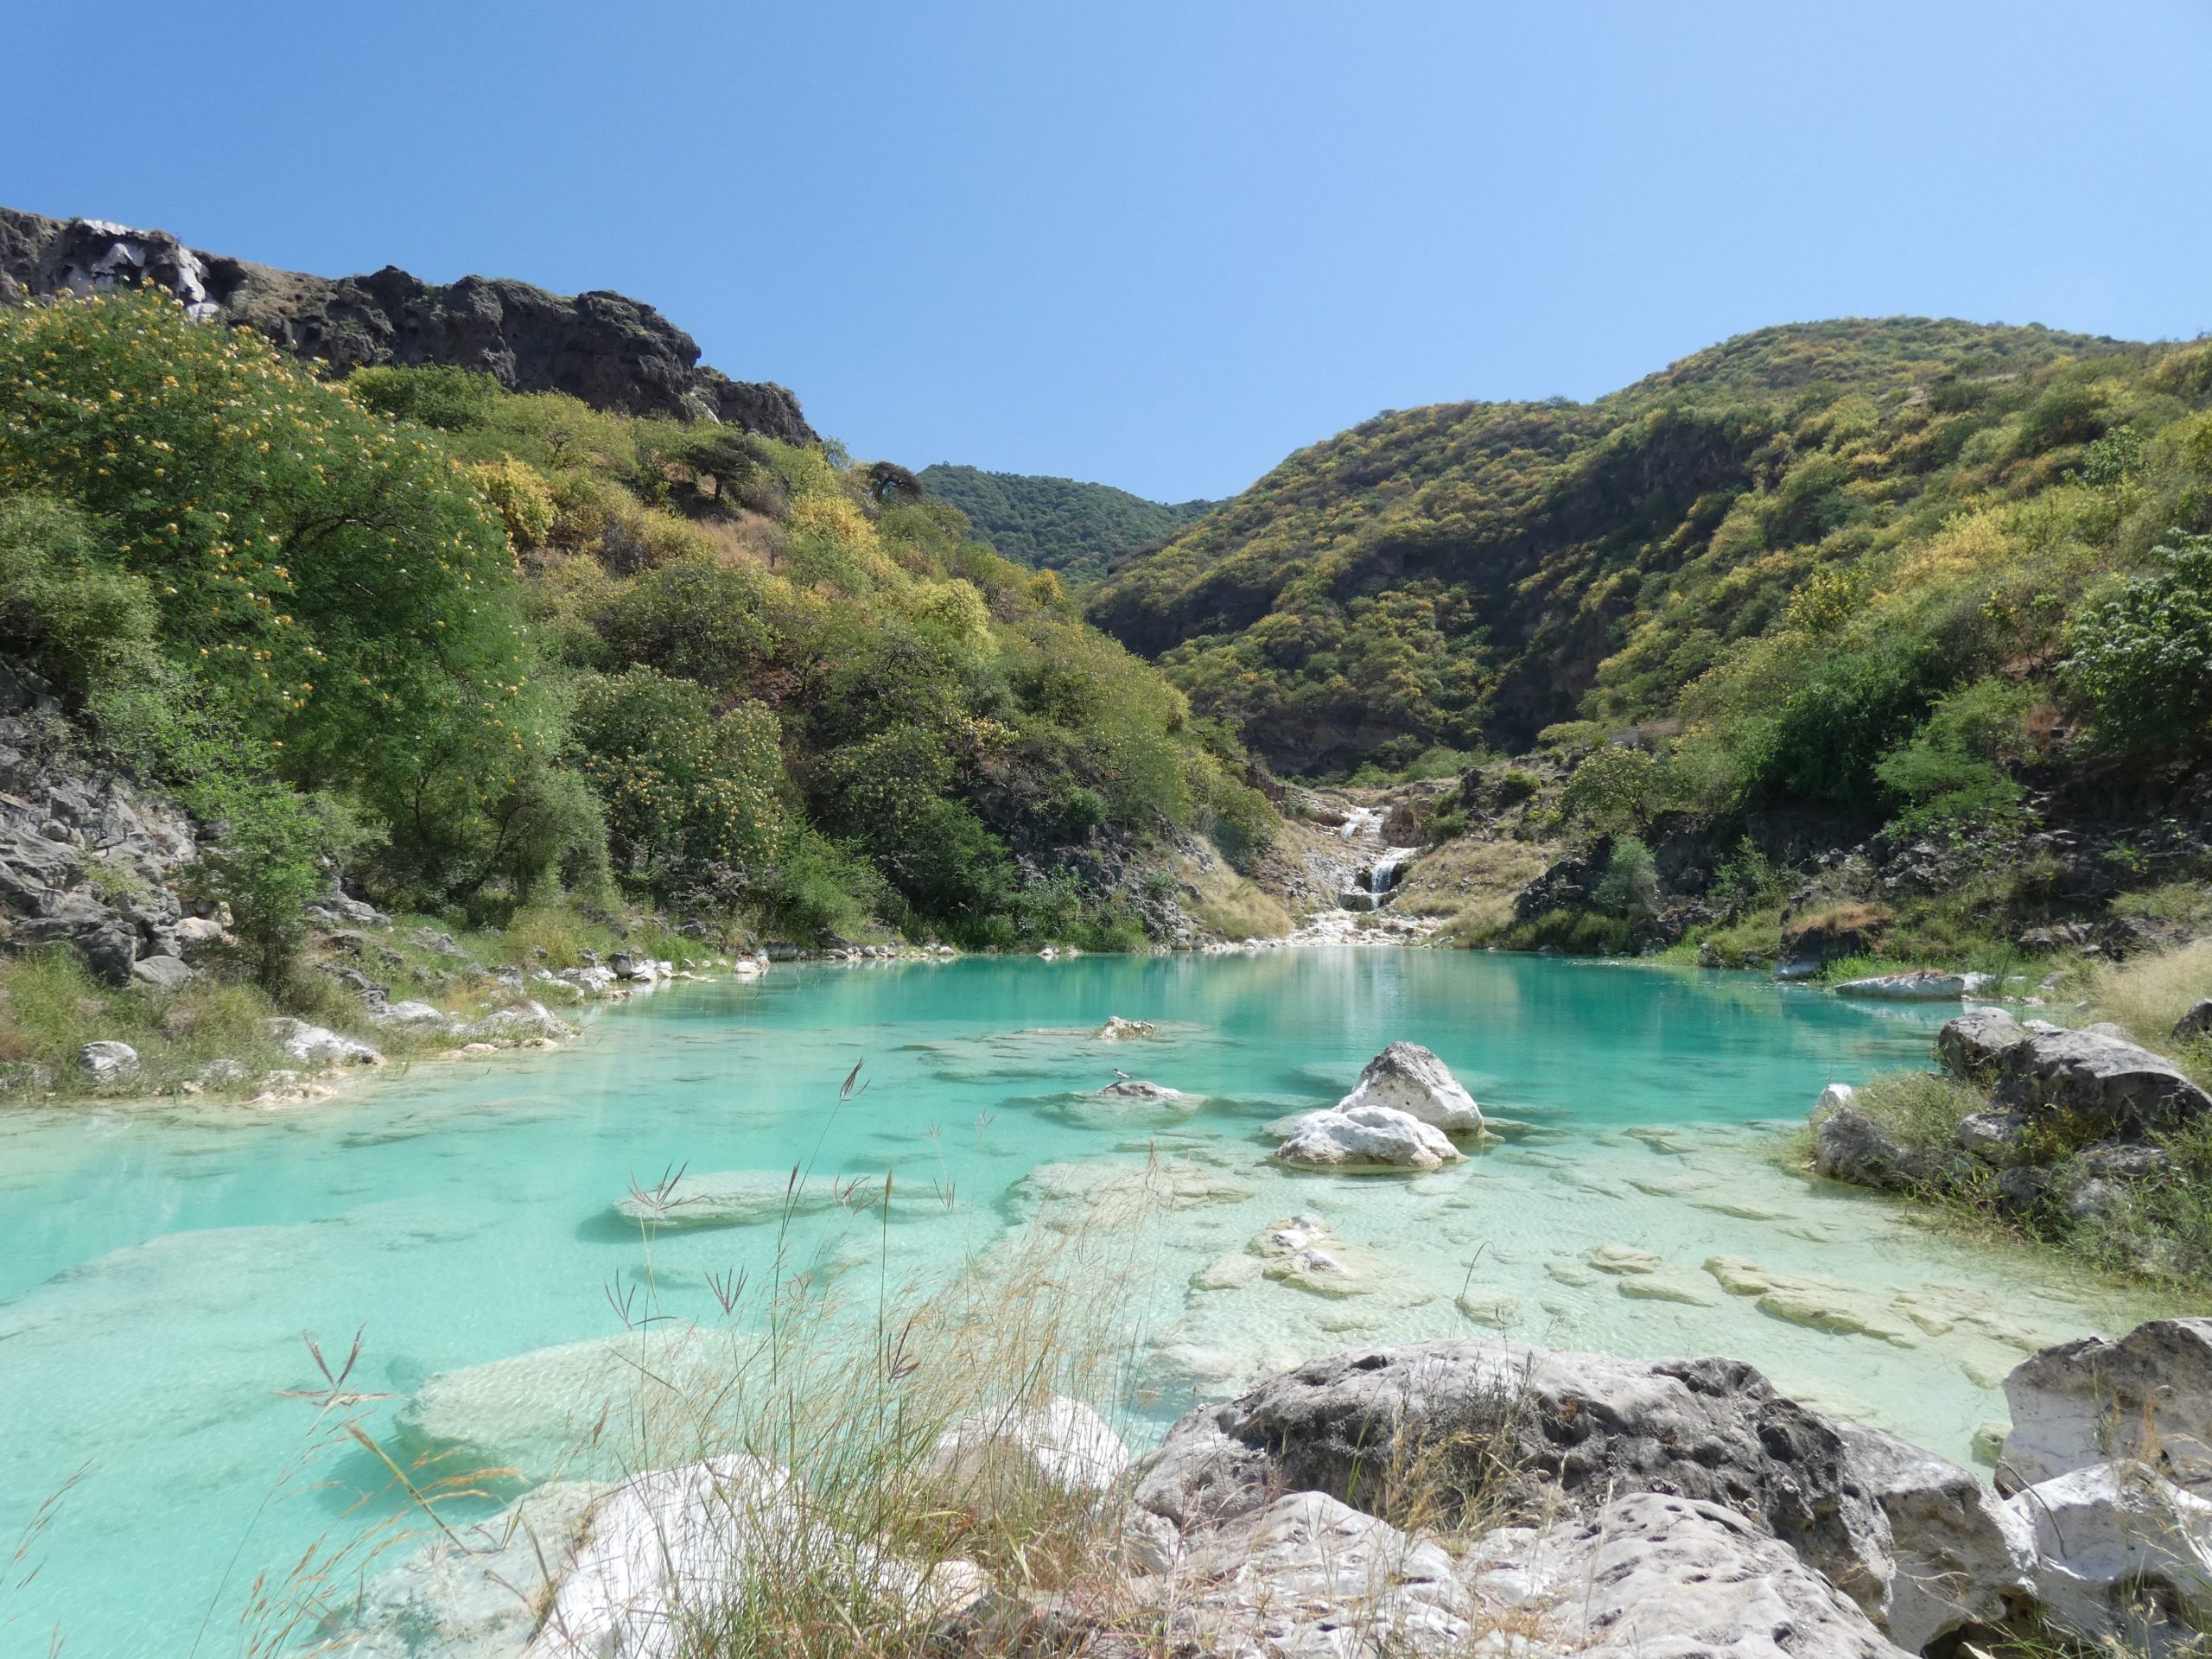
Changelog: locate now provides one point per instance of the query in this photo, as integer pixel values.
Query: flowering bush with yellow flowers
(336, 583)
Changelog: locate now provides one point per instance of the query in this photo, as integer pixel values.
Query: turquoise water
(157, 1269)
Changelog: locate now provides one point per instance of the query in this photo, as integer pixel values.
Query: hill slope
(1057, 523)
(1472, 573)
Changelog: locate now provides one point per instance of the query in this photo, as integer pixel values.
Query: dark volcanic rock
(612, 351)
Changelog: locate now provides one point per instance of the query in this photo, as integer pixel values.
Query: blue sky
(1163, 245)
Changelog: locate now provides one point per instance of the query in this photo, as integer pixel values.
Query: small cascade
(1379, 879)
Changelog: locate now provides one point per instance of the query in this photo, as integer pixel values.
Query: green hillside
(1057, 523)
(493, 650)
(1819, 531)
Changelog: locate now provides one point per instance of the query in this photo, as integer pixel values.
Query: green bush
(1616, 791)
(1834, 731)
(335, 580)
(1951, 773)
(690, 791)
(442, 395)
(2142, 658)
(1630, 886)
(64, 608)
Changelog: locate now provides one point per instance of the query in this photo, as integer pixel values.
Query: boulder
(1306, 1577)
(1406, 1078)
(1653, 1576)
(2147, 1397)
(672, 1549)
(320, 1046)
(1590, 1426)
(2110, 1086)
(1366, 1137)
(1303, 1253)
(1963, 1558)
(2196, 1024)
(1970, 1045)
(1834, 1098)
(106, 1059)
(1994, 1137)
(1851, 1146)
(409, 1013)
(1921, 985)
(1063, 1443)
(164, 973)
(2123, 1556)
(522, 1019)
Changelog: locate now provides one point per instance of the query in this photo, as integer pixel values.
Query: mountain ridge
(614, 353)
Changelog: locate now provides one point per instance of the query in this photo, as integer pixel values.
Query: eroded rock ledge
(613, 351)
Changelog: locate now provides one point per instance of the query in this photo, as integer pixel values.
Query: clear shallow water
(156, 1269)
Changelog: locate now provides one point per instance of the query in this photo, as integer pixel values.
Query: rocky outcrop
(612, 351)
(88, 858)
(1653, 1575)
(1406, 1078)
(1849, 1145)
(2122, 1557)
(1963, 1558)
(2101, 1080)
(1588, 1427)
(2146, 1397)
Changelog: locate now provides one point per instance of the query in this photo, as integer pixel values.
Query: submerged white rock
(1406, 1078)
(744, 1198)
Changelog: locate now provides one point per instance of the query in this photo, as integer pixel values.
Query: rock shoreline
(1559, 1502)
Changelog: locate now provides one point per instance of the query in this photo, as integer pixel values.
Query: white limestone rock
(1963, 1557)
(1923, 985)
(320, 1046)
(1063, 1443)
(1406, 1078)
(1652, 1576)
(2121, 1552)
(107, 1059)
(742, 1197)
(409, 1014)
(1118, 1030)
(2146, 1396)
(1307, 1577)
(1366, 1137)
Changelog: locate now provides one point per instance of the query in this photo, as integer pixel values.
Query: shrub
(1616, 790)
(1951, 772)
(698, 619)
(63, 608)
(524, 500)
(690, 791)
(1630, 886)
(438, 395)
(335, 580)
(1861, 702)
(2142, 658)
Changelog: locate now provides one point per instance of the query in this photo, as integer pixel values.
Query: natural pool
(156, 1269)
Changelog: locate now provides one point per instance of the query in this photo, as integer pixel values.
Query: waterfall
(1385, 871)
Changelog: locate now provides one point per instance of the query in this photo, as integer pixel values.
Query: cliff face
(612, 351)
